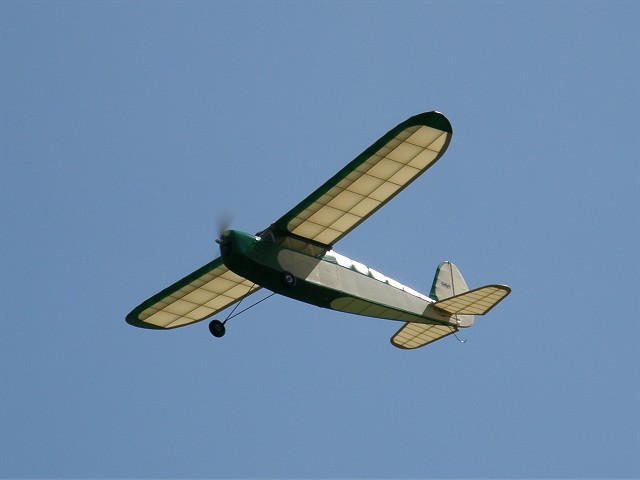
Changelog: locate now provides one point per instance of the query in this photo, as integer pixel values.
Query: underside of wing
(199, 295)
(369, 181)
(474, 302)
(415, 335)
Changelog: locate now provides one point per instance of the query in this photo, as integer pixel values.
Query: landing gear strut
(217, 329)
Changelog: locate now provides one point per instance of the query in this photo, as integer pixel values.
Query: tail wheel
(288, 280)
(217, 329)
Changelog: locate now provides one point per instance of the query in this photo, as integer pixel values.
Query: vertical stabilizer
(448, 282)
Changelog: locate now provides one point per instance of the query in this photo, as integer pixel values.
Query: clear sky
(130, 128)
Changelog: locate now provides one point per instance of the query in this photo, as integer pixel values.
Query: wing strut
(218, 328)
(230, 316)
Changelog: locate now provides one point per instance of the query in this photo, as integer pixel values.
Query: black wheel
(216, 327)
(288, 280)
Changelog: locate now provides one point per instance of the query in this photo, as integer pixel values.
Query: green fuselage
(326, 279)
(257, 260)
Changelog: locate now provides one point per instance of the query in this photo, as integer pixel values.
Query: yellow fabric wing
(197, 296)
(474, 302)
(415, 335)
(369, 181)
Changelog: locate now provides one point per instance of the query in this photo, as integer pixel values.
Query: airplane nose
(225, 243)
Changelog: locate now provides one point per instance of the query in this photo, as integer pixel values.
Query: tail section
(452, 295)
(448, 282)
(453, 299)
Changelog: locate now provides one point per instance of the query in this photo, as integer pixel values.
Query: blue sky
(129, 128)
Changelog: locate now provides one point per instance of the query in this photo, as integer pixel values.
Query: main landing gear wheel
(288, 280)
(216, 327)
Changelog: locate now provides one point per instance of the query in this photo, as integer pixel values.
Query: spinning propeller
(224, 222)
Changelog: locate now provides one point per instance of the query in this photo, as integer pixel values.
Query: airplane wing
(199, 295)
(415, 335)
(368, 182)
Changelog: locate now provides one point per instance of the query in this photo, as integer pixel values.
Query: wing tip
(133, 320)
(433, 119)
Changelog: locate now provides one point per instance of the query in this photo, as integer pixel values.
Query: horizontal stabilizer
(474, 302)
(415, 335)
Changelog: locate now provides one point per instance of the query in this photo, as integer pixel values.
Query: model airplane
(294, 256)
